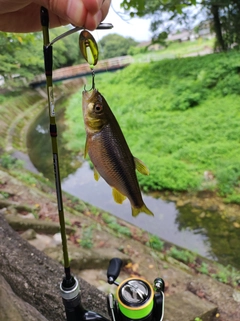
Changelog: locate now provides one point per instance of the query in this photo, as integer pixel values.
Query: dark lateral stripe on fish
(127, 176)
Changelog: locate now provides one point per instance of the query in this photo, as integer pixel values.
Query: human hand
(24, 15)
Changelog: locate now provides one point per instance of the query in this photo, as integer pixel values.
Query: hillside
(181, 117)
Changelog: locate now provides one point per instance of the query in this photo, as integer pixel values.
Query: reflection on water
(208, 234)
(219, 230)
(40, 150)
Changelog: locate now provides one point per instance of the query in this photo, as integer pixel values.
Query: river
(209, 234)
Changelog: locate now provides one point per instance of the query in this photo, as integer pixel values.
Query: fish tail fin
(143, 209)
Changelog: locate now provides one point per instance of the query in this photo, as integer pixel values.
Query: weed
(204, 268)
(111, 221)
(120, 229)
(155, 243)
(26, 177)
(86, 240)
(4, 194)
(108, 219)
(182, 255)
(9, 162)
(227, 274)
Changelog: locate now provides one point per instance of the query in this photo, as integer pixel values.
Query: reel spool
(135, 298)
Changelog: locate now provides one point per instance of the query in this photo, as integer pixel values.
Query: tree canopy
(21, 55)
(114, 45)
(224, 16)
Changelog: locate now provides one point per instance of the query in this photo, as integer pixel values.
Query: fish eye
(98, 108)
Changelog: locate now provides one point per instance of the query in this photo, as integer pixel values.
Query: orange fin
(143, 209)
(141, 167)
(118, 197)
(96, 174)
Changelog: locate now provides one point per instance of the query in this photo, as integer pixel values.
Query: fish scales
(108, 155)
(109, 152)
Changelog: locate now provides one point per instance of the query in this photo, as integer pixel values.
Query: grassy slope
(181, 117)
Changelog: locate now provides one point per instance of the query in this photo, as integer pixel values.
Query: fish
(109, 152)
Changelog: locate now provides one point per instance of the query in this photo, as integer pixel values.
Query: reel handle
(113, 271)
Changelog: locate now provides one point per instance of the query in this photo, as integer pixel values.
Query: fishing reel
(136, 298)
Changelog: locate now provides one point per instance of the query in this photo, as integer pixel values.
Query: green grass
(180, 116)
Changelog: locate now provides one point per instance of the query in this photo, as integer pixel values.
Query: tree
(114, 45)
(223, 14)
(21, 55)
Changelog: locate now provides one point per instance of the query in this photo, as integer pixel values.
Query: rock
(13, 308)
(181, 203)
(220, 294)
(42, 241)
(236, 295)
(187, 306)
(213, 208)
(29, 234)
(35, 279)
(29, 215)
(57, 238)
(83, 259)
(40, 226)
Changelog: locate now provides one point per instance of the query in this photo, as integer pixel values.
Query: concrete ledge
(187, 306)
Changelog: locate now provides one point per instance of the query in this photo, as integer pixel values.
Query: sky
(135, 28)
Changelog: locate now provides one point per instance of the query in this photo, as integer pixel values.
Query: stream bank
(187, 219)
(99, 230)
(94, 237)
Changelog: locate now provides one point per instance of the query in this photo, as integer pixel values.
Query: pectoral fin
(118, 197)
(96, 174)
(85, 149)
(141, 167)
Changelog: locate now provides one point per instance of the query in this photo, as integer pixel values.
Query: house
(184, 35)
(204, 30)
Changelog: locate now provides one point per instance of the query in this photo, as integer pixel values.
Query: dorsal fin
(140, 166)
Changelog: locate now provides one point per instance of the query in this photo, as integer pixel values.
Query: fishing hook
(93, 82)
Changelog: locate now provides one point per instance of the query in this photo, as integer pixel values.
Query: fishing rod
(136, 298)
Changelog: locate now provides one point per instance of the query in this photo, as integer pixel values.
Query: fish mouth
(89, 94)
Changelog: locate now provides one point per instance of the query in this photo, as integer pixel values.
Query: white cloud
(136, 28)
